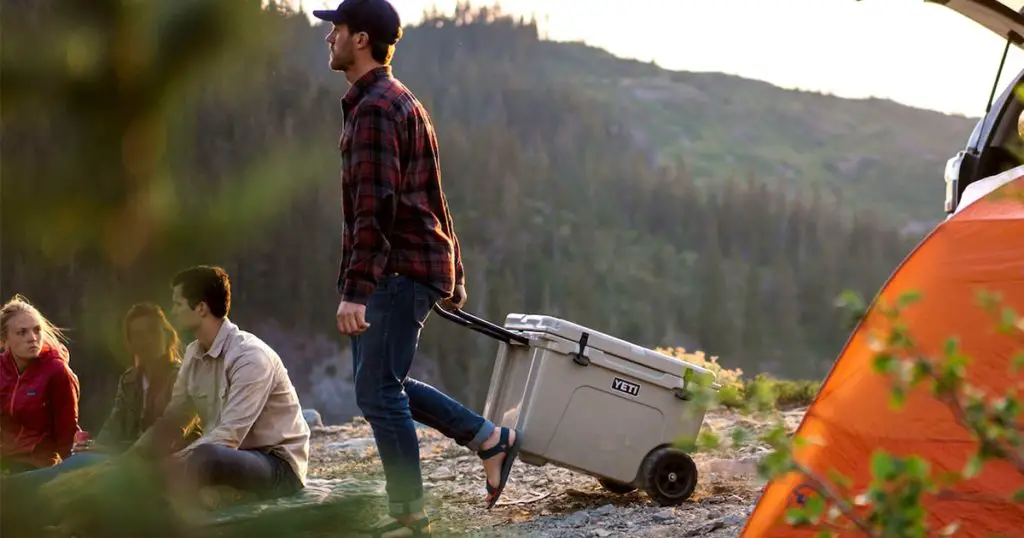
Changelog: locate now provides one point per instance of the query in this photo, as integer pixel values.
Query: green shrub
(762, 393)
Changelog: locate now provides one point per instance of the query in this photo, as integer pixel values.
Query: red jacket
(38, 409)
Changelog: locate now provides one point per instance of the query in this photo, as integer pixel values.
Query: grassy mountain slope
(874, 153)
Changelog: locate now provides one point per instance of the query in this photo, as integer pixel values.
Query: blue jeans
(390, 400)
(74, 462)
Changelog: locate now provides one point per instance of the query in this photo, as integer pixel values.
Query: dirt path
(549, 501)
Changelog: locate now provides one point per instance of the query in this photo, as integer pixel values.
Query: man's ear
(362, 39)
(202, 309)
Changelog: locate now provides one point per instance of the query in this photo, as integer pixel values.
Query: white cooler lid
(608, 344)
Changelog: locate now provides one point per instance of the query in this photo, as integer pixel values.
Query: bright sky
(910, 51)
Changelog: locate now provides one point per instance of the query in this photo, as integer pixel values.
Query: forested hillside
(560, 207)
(876, 154)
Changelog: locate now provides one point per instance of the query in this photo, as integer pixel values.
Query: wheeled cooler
(595, 404)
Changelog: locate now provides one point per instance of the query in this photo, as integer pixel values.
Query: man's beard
(341, 64)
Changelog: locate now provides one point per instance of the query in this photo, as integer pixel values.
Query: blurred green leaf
(897, 397)
(740, 436)
(972, 467)
(1017, 362)
(882, 465)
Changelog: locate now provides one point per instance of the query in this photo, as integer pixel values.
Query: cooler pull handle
(460, 317)
(579, 357)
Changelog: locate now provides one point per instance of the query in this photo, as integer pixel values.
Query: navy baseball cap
(378, 18)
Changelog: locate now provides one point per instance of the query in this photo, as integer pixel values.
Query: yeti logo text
(622, 385)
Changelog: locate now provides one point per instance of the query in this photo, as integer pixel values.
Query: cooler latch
(580, 357)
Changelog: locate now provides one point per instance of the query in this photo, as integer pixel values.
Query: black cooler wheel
(670, 476)
(615, 486)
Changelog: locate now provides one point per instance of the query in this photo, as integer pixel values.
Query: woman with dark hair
(145, 388)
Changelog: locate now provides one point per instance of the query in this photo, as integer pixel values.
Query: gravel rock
(359, 444)
(312, 417)
(442, 474)
(551, 502)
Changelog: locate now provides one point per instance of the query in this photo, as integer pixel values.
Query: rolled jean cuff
(485, 431)
(402, 509)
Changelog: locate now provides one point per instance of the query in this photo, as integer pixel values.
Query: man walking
(400, 256)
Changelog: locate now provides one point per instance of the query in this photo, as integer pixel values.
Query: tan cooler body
(593, 403)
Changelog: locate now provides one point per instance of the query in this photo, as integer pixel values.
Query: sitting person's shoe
(389, 527)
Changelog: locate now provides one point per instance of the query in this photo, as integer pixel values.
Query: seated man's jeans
(253, 471)
(390, 400)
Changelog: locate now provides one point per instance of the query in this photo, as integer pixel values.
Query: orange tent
(981, 247)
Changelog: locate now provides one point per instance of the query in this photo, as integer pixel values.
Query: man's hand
(351, 318)
(457, 299)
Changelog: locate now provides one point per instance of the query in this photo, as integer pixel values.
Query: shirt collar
(226, 330)
(363, 83)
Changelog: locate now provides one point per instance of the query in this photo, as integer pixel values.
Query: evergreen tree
(715, 324)
(754, 336)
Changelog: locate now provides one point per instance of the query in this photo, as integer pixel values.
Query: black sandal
(393, 528)
(510, 452)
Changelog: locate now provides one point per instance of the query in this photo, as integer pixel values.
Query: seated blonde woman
(38, 391)
(142, 393)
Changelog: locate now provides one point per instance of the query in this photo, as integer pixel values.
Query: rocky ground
(549, 501)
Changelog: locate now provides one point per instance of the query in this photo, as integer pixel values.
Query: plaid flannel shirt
(395, 213)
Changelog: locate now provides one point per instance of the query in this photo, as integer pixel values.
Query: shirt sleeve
(64, 393)
(160, 437)
(251, 380)
(112, 433)
(375, 167)
(460, 275)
